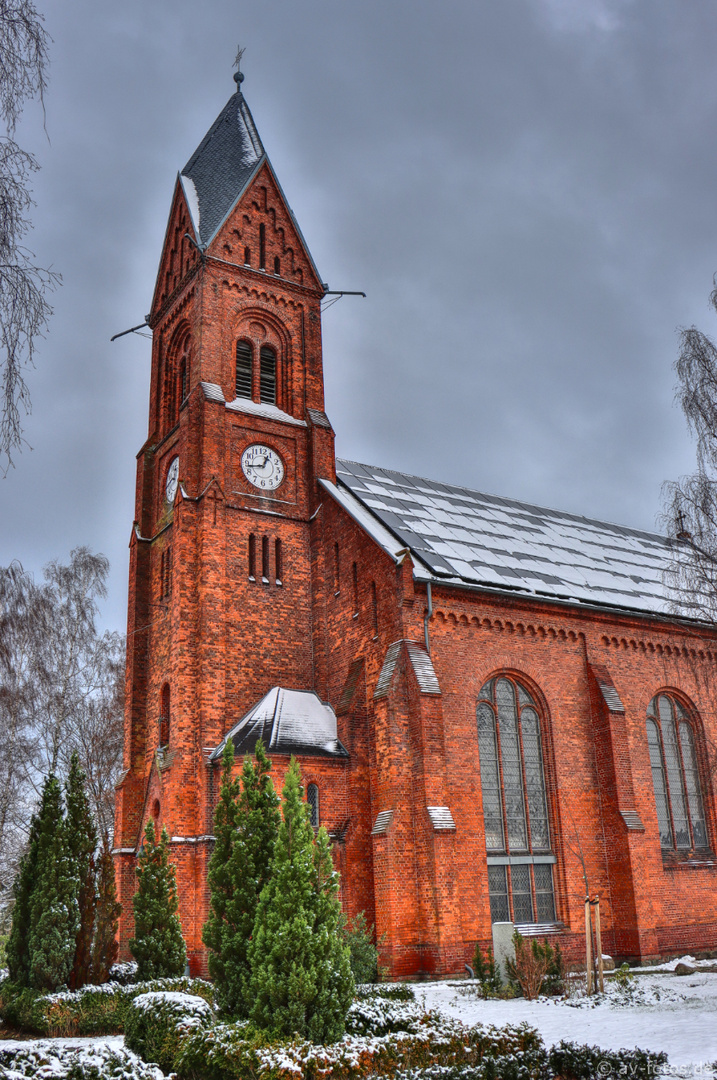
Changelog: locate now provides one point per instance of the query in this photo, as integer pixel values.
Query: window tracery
(515, 804)
(675, 775)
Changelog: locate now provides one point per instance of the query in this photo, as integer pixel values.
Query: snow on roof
(214, 392)
(223, 164)
(287, 722)
(190, 194)
(465, 537)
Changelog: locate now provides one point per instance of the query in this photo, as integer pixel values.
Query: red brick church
(482, 693)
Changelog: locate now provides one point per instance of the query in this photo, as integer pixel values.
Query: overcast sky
(525, 189)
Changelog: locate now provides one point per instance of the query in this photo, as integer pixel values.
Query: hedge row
(93, 1010)
(385, 1040)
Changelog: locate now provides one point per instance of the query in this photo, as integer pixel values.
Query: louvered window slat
(244, 369)
(267, 376)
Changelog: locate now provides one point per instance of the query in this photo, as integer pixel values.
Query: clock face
(262, 467)
(172, 480)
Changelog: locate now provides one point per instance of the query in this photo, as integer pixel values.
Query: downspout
(429, 612)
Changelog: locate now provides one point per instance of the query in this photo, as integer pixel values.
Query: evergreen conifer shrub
(105, 946)
(81, 837)
(157, 945)
(17, 950)
(301, 980)
(363, 952)
(246, 823)
(54, 907)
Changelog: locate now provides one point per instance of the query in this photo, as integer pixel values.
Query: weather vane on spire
(238, 78)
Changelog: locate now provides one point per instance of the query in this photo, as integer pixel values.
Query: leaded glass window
(515, 805)
(312, 798)
(675, 776)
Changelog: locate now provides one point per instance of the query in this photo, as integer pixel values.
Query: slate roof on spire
(222, 166)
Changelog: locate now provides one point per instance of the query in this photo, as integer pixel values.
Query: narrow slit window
(312, 799)
(168, 572)
(267, 376)
(247, 257)
(252, 557)
(278, 562)
(262, 246)
(277, 265)
(354, 572)
(265, 559)
(245, 366)
(164, 717)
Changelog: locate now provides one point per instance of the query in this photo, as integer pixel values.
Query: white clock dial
(170, 489)
(262, 467)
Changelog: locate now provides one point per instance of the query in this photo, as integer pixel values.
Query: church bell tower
(220, 594)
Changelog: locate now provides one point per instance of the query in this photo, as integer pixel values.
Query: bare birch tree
(61, 691)
(24, 285)
(690, 503)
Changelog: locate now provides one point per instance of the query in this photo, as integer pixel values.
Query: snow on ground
(114, 1042)
(683, 1022)
(686, 1029)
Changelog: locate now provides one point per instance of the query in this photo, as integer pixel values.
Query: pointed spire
(223, 164)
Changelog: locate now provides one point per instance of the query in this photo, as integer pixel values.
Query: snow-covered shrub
(372, 1014)
(390, 991)
(92, 1010)
(157, 1022)
(52, 1062)
(124, 973)
(572, 1062)
(438, 1047)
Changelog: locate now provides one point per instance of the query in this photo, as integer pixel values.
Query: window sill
(690, 860)
(519, 860)
(539, 929)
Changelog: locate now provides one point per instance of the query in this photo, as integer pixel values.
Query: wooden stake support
(588, 946)
(598, 944)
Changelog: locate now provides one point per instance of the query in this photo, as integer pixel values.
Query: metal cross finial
(238, 78)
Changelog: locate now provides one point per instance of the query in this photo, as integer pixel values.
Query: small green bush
(572, 1062)
(538, 967)
(156, 1023)
(363, 951)
(389, 991)
(487, 973)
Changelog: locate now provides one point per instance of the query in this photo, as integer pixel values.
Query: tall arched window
(312, 798)
(675, 776)
(515, 805)
(164, 717)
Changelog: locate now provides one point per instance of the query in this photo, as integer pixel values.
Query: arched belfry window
(267, 375)
(175, 384)
(515, 805)
(675, 775)
(245, 369)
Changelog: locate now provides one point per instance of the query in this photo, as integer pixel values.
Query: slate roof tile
(480, 539)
